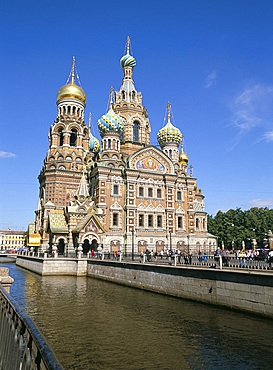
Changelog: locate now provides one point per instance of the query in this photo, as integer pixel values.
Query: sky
(213, 60)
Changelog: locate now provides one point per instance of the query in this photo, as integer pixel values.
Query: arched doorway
(86, 246)
(94, 245)
(61, 246)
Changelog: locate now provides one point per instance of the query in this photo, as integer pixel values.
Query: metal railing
(21, 345)
(175, 260)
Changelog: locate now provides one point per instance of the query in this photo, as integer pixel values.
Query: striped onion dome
(94, 144)
(127, 61)
(110, 122)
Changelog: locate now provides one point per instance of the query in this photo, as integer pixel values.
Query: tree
(236, 226)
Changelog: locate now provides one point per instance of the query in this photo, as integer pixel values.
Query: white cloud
(6, 154)
(210, 80)
(250, 109)
(268, 202)
(268, 136)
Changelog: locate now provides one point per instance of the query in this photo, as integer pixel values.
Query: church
(119, 193)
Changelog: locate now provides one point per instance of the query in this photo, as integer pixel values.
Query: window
(115, 219)
(109, 143)
(73, 137)
(141, 191)
(159, 221)
(136, 131)
(61, 136)
(179, 197)
(179, 222)
(158, 193)
(115, 189)
(150, 192)
(150, 220)
(141, 220)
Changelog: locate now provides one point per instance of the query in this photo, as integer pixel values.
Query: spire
(89, 126)
(73, 71)
(128, 45)
(169, 112)
(83, 186)
(111, 97)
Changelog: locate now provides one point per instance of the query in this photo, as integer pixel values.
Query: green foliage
(235, 226)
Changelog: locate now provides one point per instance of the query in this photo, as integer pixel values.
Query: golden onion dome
(195, 187)
(183, 158)
(71, 90)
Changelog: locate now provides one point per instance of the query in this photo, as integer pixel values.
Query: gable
(89, 223)
(151, 159)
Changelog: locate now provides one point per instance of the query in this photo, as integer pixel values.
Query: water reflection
(93, 324)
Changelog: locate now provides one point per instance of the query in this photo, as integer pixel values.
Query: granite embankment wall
(250, 291)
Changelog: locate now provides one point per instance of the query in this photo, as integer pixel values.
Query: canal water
(93, 324)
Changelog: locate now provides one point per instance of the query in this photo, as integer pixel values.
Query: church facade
(119, 193)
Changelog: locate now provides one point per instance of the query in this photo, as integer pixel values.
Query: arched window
(73, 137)
(109, 143)
(133, 95)
(68, 109)
(197, 223)
(61, 136)
(123, 95)
(170, 153)
(136, 131)
(74, 109)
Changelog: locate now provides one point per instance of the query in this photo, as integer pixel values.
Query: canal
(92, 324)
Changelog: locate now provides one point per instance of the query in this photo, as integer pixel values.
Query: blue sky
(213, 60)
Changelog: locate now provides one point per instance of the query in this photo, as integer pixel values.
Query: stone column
(5, 279)
(80, 250)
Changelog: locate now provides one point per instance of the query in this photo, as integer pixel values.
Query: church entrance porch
(86, 246)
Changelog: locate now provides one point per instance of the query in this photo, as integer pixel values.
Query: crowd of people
(186, 257)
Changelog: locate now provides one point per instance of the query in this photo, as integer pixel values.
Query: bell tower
(128, 105)
(67, 154)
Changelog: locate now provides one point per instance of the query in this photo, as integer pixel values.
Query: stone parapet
(5, 279)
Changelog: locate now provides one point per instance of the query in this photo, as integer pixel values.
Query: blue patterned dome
(127, 61)
(110, 122)
(94, 144)
(169, 135)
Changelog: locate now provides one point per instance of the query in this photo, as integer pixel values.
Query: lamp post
(188, 237)
(170, 242)
(133, 233)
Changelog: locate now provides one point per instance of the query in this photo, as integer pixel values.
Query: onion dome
(128, 60)
(94, 142)
(183, 158)
(71, 90)
(110, 122)
(169, 134)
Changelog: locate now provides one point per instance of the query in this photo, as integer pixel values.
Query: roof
(12, 232)
(57, 222)
(84, 221)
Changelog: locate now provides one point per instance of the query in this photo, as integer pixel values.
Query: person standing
(190, 256)
(270, 259)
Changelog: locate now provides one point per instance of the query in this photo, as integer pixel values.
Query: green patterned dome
(110, 122)
(169, 135)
